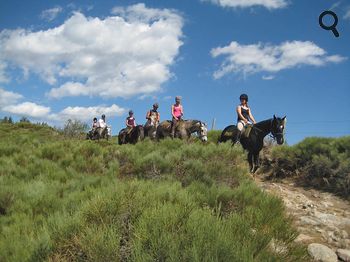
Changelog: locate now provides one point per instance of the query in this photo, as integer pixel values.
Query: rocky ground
(320, 217)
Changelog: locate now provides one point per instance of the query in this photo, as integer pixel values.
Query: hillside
(68, 200)
(315, 162)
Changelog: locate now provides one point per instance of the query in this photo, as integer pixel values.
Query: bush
(74, 128)
(71, 200)
(322, 163)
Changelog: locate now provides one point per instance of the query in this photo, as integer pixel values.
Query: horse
(99, 133)
(132, 137)
(255, 141)
(183, 130)
(151, 128)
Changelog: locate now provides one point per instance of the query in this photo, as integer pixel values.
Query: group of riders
(246, 131)
(100, 128)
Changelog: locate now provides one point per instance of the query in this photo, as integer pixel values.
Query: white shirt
(102, 123)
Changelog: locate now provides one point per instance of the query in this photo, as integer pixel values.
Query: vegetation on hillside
(63, 199)
(322, 163)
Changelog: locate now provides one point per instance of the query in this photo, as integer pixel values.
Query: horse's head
(203, 132)
(277, 129)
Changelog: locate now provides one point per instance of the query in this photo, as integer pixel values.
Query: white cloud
(249, 59)
(8, 98)
(51, 14)
(28, 109)
(269, 77)
(87, 113)
(124, 55)
(3, 77)
(269, 4)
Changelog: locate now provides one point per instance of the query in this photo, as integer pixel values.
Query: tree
(74, 128)
(24, 120)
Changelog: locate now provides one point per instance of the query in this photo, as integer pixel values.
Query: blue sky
(66, 59)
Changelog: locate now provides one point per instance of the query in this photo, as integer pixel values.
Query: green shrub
(69, 200)
(322, 163)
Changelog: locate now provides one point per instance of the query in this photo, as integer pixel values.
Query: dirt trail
(320, 217)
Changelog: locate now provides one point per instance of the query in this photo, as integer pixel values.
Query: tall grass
(69, 200)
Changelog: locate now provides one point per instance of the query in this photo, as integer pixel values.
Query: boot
(238, 137)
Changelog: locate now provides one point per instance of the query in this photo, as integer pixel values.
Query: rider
(177, 112)
(153, 116)
(130, 121)
(244, 115)
(102, 125)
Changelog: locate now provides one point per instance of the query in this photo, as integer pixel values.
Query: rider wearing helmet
(130, 120)
(244, 115)
(177, 112)
(130, 123)
(102, 125)
(153, 116)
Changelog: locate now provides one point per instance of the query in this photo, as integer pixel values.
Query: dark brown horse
(255, 141)
(135, 135)
(183, 130)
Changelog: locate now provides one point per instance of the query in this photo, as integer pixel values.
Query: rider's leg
(240, 126)
(173, 127)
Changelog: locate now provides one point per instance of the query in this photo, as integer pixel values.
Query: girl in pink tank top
(177, 113)
(176, 109)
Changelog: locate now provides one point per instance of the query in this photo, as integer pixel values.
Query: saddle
(246, 131)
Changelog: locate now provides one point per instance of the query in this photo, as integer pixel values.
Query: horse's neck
(194, 127)
(264, 127)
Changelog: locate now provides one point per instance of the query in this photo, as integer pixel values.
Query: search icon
(331, 27)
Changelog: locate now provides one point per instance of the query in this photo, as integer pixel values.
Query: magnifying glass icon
(331, 27)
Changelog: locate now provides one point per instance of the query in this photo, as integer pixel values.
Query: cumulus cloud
(8, 98)
(3, 77)
(28, 109)
(249, 59)
(87, 113)
(8, 104)
(51, 14)
(269, 4)
(123, 55)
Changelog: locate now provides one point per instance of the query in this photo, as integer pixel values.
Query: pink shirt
(177, 111)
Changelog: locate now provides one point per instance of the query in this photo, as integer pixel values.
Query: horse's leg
(256, 162)
(250, 160)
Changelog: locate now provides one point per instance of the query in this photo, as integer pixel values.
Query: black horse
(135, 135)
(255, 141)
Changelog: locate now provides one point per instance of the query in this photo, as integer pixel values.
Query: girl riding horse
(244, 116)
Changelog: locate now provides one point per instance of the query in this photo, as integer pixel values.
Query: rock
(303, 238)
(308, 221)
(343, 254)
(321, 253)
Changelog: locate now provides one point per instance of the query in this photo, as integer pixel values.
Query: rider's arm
(182, 111)
(251, 116)
(147, 115)
(158, 117)
(239, 112)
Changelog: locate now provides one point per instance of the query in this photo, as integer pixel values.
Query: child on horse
(153, 116)
(177, 113)
(244, 116)
(130, 123)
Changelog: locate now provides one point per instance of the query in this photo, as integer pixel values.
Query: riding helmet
(131, 112)
(155, 105)
(103, 116)
(243, 96)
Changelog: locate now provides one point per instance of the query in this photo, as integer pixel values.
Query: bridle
(272, 134)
